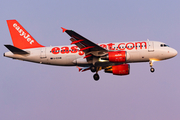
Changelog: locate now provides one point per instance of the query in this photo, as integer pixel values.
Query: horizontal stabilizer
(15, 50)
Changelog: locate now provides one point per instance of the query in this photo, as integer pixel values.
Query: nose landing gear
(151, 64)
(152, 70)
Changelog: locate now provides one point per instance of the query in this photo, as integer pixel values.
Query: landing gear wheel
(96, 77)
(152, 70)
(93, 69)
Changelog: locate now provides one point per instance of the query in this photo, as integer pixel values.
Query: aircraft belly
(138, 56)
(160, 55)
(64, 60)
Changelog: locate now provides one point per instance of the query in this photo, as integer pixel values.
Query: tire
(93, 69)
(152, 70)
(96, 77)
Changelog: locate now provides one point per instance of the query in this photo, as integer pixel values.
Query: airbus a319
(86, 55)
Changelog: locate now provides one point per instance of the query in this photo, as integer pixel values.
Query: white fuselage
(143, 51)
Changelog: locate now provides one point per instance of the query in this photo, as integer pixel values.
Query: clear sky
(30, 91)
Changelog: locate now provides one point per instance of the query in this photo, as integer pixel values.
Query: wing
(85, 45)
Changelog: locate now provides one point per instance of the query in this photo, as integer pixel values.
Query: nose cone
(173, 52)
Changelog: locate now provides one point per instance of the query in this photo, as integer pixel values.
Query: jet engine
(123, 69)
(116, 56)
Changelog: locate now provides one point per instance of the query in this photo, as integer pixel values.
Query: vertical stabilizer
(20, 37)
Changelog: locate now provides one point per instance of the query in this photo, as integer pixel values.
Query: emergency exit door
(150, 46)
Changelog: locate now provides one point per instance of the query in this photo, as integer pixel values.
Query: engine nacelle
(117, 56)
(123, 69)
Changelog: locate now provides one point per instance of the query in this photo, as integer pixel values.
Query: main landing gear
(96, 75)
(151, 64)
(93, 69)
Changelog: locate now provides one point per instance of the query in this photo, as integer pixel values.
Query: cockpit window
(164, 45)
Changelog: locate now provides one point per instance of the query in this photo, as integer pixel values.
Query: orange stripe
(87, 56)
(86, 48)
(76, 41)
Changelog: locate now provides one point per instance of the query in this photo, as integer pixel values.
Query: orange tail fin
(20, 37)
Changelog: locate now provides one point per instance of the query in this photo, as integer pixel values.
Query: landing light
(102, 60)
(153, 60)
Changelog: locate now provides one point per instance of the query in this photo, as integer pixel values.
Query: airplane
(86, 55)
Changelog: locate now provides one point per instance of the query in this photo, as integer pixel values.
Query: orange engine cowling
(116, 56)
(123, 69)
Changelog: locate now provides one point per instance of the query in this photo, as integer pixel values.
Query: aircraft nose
(173, 52)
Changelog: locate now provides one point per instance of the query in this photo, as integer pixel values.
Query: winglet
(63, 29)
(79, 68)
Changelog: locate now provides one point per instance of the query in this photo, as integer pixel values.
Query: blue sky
(30, 91)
